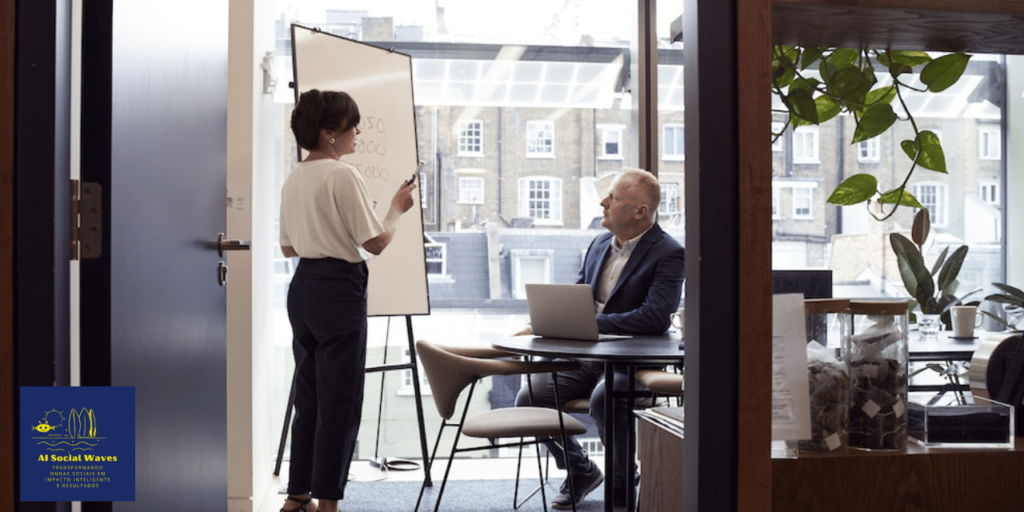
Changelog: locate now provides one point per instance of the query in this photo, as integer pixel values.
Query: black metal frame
(455, 449)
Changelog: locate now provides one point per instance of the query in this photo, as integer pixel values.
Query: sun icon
(52, 420)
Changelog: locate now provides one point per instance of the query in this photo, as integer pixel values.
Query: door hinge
(86, 220)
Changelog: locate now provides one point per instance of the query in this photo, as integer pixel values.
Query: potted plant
(1012, 301)
(933, 298)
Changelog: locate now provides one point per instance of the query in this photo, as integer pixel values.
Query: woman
(327, 220)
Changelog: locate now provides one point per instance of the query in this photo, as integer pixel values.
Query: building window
(436, 257)
(867, 150)
(540, 198)
(592, 445)
(611, 142)
(407, 389)
(932, 196)
(989, 143)
(471, 190)
(805, 145)
(802, 202)
(540, 139)
(669, 198)
(777, 143)
(775, 203)
(674, 143)
(529, 266)
(989, 191)
(471, 138)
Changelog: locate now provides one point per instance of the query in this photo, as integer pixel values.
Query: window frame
(463, 180)
(556, 204)
(872, 147)
(678, 153)
(540, 139)
(993, 135)
(939, 215)
(466, 139)
(800, 133)
(810, 202)
(518, 256)
(993, 194)
(603, 131)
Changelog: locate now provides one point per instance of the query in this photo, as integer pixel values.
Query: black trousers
(587, 382)
(327, 310)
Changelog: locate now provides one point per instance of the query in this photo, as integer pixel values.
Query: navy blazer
(649, 287)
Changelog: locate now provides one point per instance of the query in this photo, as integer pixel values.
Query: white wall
(1015, 171)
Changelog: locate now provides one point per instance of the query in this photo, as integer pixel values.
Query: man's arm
(645, 300)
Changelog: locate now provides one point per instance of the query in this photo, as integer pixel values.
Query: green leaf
(806, 84)
(1003, 298)
(911, 59)
(855, 189)
(944, 71)
(809, 56)
(921, 227)
(827, 70)
(802, 105)
(898, 69)
(875, 121)
(932, 156)
(827, 108)
(938, 262)
(916, 277)
(842, 57)
(881, 95)
(905, 199)
(952, 267)
(1010, 290)
(846, 82)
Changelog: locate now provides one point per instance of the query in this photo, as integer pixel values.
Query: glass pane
(963, 211)
(511, 93)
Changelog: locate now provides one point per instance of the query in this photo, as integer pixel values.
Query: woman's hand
(403, 198)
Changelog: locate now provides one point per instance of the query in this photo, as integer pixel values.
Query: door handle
(230, 245)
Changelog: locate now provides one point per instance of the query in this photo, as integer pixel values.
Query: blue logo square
(77, 443)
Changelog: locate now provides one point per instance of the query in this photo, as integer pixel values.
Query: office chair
(450, 370)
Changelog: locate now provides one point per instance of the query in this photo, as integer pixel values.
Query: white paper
(791, 409)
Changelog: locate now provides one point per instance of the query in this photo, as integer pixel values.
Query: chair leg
(515, 497)
(565, 441)
(430, 463)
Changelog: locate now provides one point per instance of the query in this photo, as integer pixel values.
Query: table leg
(630, 444)
(609, 433)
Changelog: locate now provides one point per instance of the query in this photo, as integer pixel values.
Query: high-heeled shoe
(303, 504)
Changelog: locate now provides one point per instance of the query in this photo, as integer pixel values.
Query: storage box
(981, 423)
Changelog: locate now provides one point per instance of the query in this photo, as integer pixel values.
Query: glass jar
(828, 377)
(876, 353)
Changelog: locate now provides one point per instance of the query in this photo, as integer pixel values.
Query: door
(154, 88)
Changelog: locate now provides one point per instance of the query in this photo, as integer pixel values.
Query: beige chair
(662, 383)
(450, 370)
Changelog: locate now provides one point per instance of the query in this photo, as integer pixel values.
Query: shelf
(978, 26)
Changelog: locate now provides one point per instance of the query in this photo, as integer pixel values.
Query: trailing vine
(848, 84)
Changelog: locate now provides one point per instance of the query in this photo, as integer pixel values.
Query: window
(540, 198)
(805, 145)
(436, 257)
(611, 141)
(674, 143)
(777, 143)
(540, 139)
(932, 196)
(407, 389)
(867, 150)
(471, 190)
(669, 198)
(989, 143)
(471, 139)
(989, 190)
(775, 202)
(802, 202)
(529, 266)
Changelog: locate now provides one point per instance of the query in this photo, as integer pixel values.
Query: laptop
(564, 311)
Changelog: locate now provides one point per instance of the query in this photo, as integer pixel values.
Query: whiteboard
(380, 82)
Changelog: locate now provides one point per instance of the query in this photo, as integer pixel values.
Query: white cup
(965, 319)
(678, 318)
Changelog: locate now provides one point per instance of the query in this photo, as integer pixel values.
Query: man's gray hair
(648, 184)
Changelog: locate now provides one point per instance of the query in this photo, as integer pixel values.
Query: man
(636, 272)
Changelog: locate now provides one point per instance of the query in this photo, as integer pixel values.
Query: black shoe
(584, 483)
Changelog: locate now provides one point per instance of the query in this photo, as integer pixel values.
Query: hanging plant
(847, 83)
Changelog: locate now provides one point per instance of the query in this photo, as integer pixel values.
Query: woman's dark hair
(316, 110)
